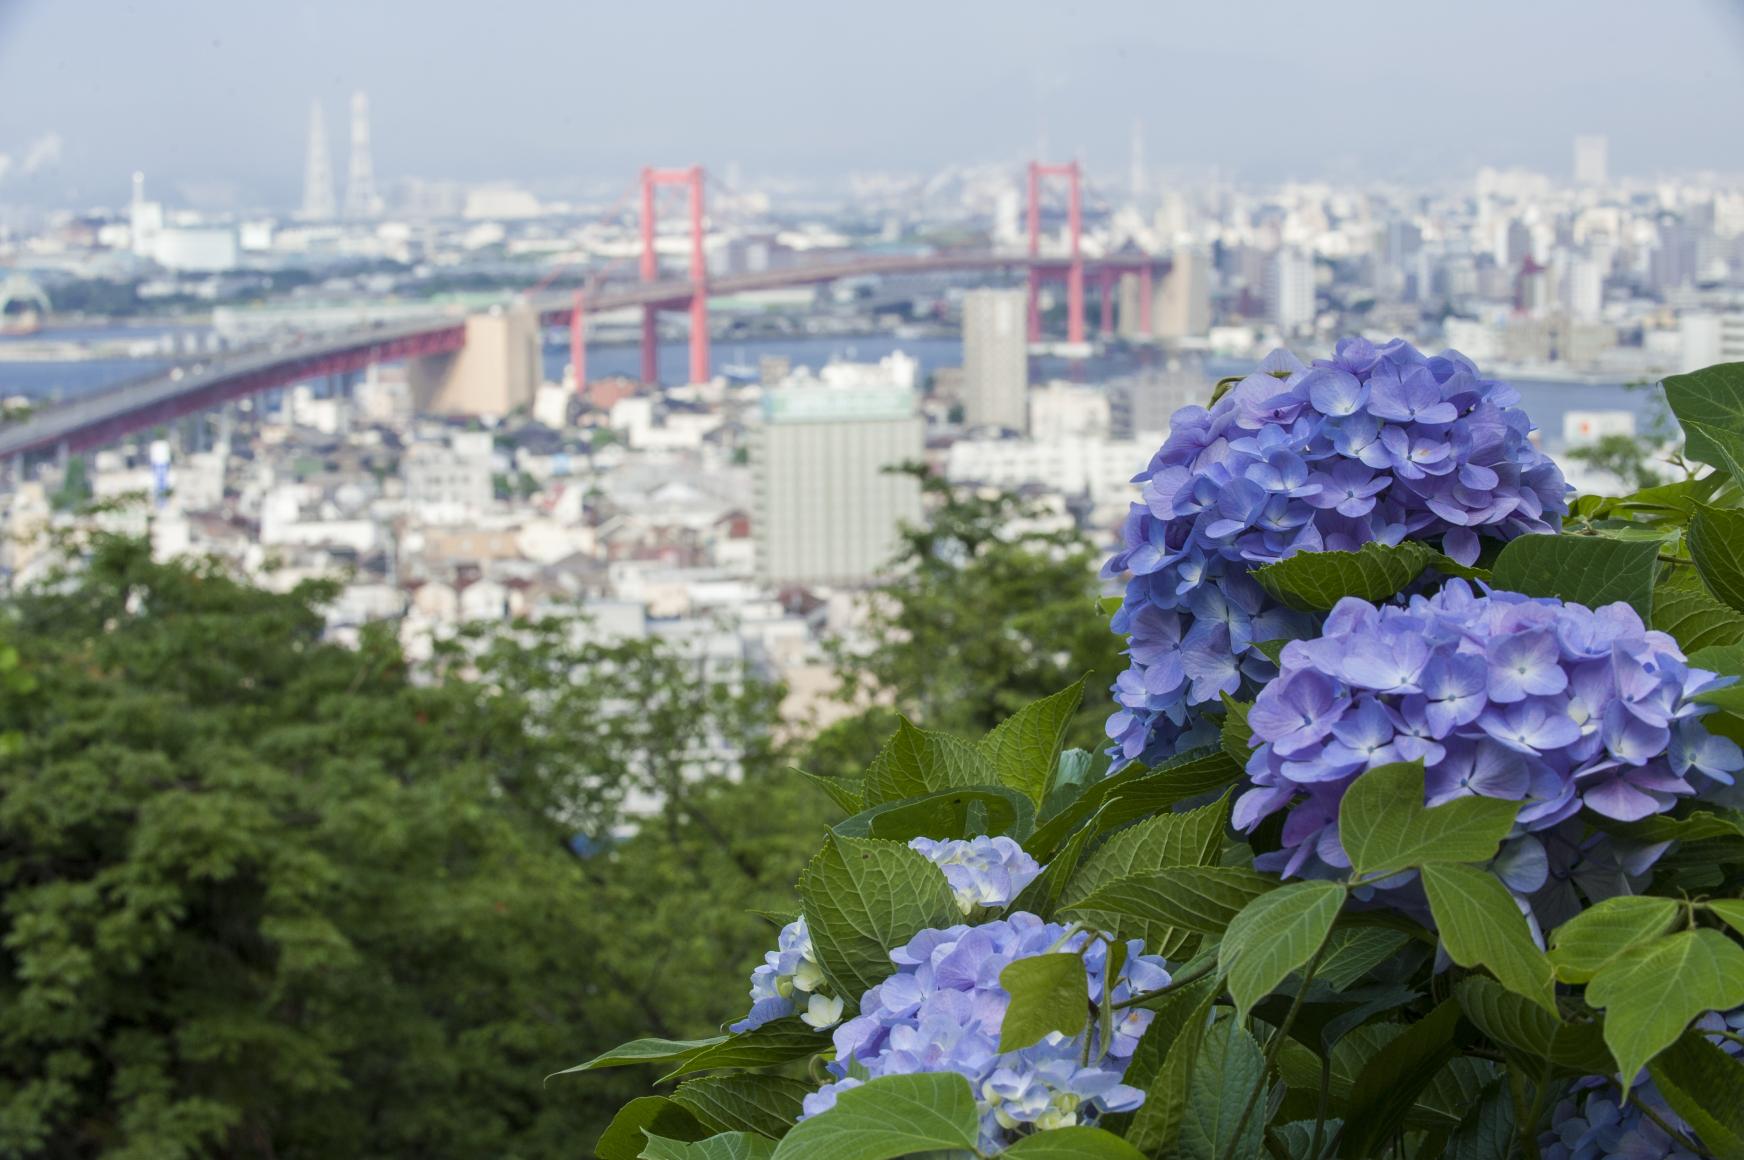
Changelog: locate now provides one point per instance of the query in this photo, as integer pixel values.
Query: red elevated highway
(105, 416)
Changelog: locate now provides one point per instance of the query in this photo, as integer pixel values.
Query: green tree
(75, 488)
(987, 611)
(1628, 457)
(268, 896)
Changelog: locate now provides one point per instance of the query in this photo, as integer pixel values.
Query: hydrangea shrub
(1460, 872)
(1378, 444)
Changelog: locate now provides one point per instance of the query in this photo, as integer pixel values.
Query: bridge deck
(98, 418)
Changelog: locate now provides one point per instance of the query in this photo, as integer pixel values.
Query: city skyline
(212, 100)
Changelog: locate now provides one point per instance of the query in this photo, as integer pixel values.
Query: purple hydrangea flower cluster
(1555, 706)
(982, 871)
(1593, 1123)
(943, 1008)
(1377, 444)
(790, 980)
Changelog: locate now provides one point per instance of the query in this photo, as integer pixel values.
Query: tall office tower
(1180, 301)
(1290, 289)
(1141, 404)
(1586, 288)
(318, 171)
(360, 199)
(1591, 159)
(827, 511)
(1183, 302)
(995, 360)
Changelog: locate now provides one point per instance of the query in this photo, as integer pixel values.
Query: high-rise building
(1141, 404)
(1591, 159)
(360, 198)
(145, 220)
(1673, 263)
(995, 360)
(1180, 300)
(318, 205)
(1182, 308)
(1290, 289)
(827, 511)
(1586, 288)
(1710, 338)
(495, 372)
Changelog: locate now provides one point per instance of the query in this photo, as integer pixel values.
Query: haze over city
(211, 97)
(1227, 498)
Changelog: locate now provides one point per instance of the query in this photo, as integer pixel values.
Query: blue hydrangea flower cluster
(982, 871)
(790, 980)
(942, 1010)
(1555, 706)
(1377, 444)
(1593, 1123)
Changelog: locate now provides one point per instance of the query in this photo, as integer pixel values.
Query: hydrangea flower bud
(982, 871)
(789, 980)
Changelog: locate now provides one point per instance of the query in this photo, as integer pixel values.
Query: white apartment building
(1068, 409)
(1290, 290)
(995, 360)
(1101, 469)
(826, 510)
(1711, 338)
(448, 484)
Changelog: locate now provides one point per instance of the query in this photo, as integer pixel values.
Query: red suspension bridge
(103, 417)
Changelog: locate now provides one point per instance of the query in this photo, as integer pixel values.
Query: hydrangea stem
(1176, 982)
(1677, 1137)
(1273, 1046)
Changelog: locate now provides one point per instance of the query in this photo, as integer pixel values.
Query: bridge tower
(578, 342)
(1075, 254)
(691, 179)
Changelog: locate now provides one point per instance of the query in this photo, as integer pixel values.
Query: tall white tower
(1137, 175)
(318, 170)
(360, 199)
(1590, 159)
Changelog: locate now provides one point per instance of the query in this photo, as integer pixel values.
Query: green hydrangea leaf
(888, 1117)
(1590, 570)
(862, 896)
(1024, 748)
(1526, 1029)
(1048, 993)
(915, 762)
(1716, 543)
(1315, 581)
(1651, 992)
(1481, 926)
(1273, 935)
(1386, 828)
(1581, 947)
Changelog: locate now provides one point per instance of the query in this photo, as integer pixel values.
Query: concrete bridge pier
(226, 426)
(496, 372)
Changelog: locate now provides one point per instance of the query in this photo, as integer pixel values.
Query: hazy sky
(214, 95)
